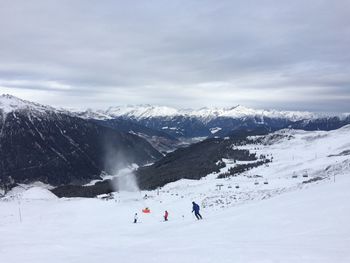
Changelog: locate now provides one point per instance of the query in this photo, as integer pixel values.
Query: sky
(288, 55)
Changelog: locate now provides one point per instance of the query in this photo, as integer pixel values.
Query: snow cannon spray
(126, 180)
(117, 167)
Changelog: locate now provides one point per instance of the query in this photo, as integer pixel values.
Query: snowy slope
(309, 225)
(9, 103)
(285, 220)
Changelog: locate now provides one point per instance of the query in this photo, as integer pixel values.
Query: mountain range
(60, 146)
(217, 122)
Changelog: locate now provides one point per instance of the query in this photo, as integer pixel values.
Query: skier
(135, 218)
(195, 209)
(166, 214)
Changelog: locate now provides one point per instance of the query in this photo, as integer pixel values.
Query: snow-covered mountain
(159, 139)
(206, 114)
(91, 114)
(9, 103)
(39, 142)
(162, 141)
(165, 127)
(220, 122)
(143, 111)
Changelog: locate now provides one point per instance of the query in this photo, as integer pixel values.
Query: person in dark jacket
(195, 209)
(166, 214)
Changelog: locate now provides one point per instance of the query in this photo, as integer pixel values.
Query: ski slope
(285, 220)
(309, 225)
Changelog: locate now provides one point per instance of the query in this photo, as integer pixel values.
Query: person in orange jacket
(166, 214)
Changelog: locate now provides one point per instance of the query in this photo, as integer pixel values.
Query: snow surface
(310, 225)
(21, 188)
(215, 130)
(282, 221)
(38, 193)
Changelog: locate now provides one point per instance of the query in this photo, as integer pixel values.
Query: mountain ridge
(9, 103)
(156, 123)
(208, 113)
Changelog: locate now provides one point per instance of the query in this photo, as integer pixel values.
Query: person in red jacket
(166, 214)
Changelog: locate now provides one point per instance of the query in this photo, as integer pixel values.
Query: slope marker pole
(19, 211)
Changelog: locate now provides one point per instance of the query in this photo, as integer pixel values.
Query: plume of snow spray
(122, 172)
(126, 180)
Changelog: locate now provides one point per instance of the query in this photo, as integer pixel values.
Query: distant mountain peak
(10, 103)
(142, 111)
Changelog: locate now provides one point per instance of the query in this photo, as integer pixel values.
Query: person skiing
(195, 209)
(135, 218)
(166, 214)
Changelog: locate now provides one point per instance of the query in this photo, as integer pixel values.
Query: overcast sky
(264, 54)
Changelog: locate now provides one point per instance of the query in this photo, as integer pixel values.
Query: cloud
(179, 53)
(35, 84)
